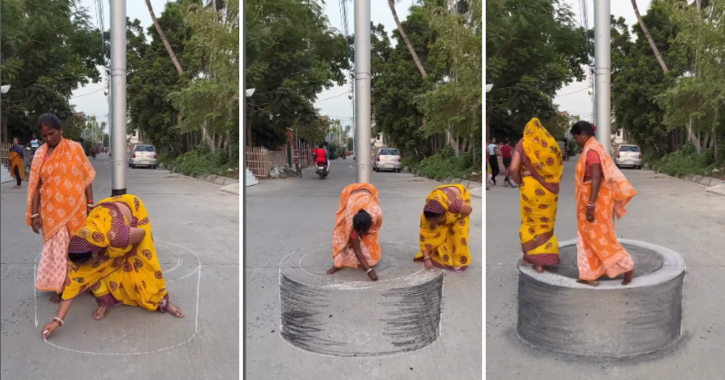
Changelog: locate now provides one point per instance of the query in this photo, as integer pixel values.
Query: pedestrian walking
(444, 227)
(507, 155)
(113, 255)
(17, 157)
(355, 237)
(493, 161)
(601, 192)
(59, 193)
(537, 167)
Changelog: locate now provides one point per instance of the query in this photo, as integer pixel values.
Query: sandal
(175, 311)
(98, 315)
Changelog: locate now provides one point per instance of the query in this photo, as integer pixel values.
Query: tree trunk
(663, 65)
(391, 3)
(163, 38)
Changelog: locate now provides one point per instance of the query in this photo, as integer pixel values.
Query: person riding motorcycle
(321, 157)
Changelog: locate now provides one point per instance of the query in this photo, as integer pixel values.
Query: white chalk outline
(196, 316)
(393, 355)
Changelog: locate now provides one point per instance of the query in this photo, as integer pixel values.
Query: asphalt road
(668, 212)
(286, 214)
(195, 226)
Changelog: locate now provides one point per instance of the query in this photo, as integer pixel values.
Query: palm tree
(391, 3)
(663, 65)
(163, 38)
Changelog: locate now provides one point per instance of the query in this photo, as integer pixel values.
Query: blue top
(34, 143)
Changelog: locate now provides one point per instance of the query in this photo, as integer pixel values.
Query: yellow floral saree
(540, 156)
(119, 272)
(449, 241)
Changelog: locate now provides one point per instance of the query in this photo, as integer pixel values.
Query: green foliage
(87, 147)
(687, 161)
(49, 49)
(200, 161)
(444, 164)
(291, 55)
(350, 145)
(533, 49)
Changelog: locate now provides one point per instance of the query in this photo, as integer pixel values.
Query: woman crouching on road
(114, 256)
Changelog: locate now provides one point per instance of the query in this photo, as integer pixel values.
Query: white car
(388, 159)
(628, 155)
(143, 155)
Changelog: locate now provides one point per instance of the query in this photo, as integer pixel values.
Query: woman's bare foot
(333, 270)
(594, 283)
(55, 298)
(628, 276)
(539, 268)
(371, 273)
(100, 313)
(16, 187)
(175, 311)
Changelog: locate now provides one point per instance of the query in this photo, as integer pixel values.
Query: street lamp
(249, 92)
(489, 87)
(5, 88)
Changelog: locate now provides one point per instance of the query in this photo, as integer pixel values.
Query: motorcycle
(321, 171)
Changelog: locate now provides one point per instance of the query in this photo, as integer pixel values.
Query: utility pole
(603, 70)
(362, 90)
(118, 77)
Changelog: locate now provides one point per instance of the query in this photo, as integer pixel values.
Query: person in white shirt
(493, 161)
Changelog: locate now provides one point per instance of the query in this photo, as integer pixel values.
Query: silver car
(388, 159)
(143, 155)
(629, 155)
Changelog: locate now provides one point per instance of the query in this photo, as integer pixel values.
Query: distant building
(378, 141)
(134, 138)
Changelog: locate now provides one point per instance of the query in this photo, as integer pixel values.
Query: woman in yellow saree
(444, 227)
(113, 256)
(17, 169)
(355, 237)
(537, 167)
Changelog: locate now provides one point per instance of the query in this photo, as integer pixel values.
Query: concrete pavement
(287, 214)
(668, 212)
(194, 222)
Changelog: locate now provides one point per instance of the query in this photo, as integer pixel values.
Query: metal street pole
(118, 76)
(362, 90)
(603, 69)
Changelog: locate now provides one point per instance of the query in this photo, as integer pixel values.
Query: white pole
(118, 75)
(602, 61)
(362, 89)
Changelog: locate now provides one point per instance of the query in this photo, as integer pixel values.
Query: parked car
(388, 159)
(629, 155)
(143, 155)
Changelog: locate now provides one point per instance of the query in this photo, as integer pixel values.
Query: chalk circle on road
(127, 331)
(348, 315)
(613, 321)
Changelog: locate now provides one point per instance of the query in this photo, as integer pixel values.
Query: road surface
(668, 212)
(285, 214)
(190, 218)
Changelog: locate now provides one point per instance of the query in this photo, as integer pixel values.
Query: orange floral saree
(598, 251)
(356, 197)
(64, 175)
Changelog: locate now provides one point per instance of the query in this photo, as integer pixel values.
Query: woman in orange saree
(58, 196)
(355, 237)
(601, 191)
(537, 167)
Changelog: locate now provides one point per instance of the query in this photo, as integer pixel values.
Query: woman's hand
(590, 215)
(36, 224)
(49, 329)
(427, 263)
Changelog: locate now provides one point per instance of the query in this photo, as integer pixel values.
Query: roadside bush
(444, 164)
(200, 161)
(87, 147)
(686, 161)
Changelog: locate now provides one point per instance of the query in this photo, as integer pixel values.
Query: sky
(91, 99)
(334, 102)
(575, 98)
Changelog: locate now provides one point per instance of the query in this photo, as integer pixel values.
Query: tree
(453, 106)
(163, 38)
(49, 49)
(404, 37)
(651, 42)
(292, 55)
(211, 102)
(533, 49)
